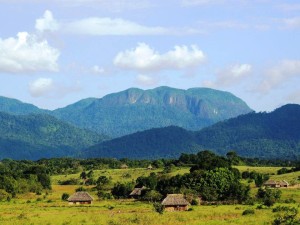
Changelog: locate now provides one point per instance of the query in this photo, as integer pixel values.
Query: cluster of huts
(173, 202)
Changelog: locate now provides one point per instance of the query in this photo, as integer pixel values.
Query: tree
(268, 196)
(152, 196)
(122, 190)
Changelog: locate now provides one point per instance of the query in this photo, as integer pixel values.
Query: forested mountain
(263, 135)
(37, 136)
(135, 110)
(17, 107)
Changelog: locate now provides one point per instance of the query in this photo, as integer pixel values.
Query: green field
(48, 208)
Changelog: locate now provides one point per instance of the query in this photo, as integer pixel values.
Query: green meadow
(48, 208)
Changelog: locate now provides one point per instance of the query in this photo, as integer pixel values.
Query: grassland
(48, 208)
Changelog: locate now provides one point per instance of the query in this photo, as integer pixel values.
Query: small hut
(175, 202)
(80, 197)
(124, 166)
(272, 184)
(150, 167)
(137, 192)
(283, 183)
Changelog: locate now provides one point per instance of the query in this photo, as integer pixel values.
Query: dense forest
(274, 135)
(38, 136)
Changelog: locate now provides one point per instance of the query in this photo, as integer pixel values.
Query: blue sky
(54, 53)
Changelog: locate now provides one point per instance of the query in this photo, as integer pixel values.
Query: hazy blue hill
(37, 136)
(168, 142)
(17, 107)
(263, 135)
(135, 110)
(268, 135)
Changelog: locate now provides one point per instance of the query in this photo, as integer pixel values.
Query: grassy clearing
(48, 208)
(119, 175)
(126, 212)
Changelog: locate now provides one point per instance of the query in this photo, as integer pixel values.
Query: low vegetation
(218, 191)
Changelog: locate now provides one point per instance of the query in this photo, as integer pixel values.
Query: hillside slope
(41, 136)
(263, 135)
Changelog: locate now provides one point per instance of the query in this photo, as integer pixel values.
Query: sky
(56, 52)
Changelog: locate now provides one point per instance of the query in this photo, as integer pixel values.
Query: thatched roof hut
(124, 166)
(272, 183)
(137, 192)
(150, 167)
(175, 202)
(283, 183)
(80, 197)
(276, 184)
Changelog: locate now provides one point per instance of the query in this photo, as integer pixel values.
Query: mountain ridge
(265, 135)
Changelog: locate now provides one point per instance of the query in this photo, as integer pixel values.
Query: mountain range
(135, 110)
(156, 123)
(265, 135)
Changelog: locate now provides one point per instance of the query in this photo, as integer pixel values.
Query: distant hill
(135, 110)
(263, 135)
(38, 136)
(17, 107)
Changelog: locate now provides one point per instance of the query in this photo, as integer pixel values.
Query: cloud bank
(145, 59)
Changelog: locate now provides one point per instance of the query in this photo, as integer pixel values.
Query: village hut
(124, 166)
(175, 202)
(137, 192)
(150, 167)
(80, 197)
(284, 183)
(272, 184)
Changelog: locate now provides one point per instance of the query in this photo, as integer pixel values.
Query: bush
(71, 181)
(248, 212)
(65, 196)
(286, 215)
(158, 207)
(80, 189)
(194, 202)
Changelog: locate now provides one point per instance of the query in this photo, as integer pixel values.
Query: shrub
(80, 189)
(286, 215)
(158, 207)
(65, 196)
(248, 212)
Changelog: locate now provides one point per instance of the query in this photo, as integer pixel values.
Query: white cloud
(146, 80)
(97, 70)
(46, 87)
(145, 59)
(40, 87)
(108, 26)
(230, 76)
(291, 22)
(279, 74)
(27, 54)
(47, 22)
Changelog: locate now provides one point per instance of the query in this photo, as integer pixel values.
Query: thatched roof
(175, 200)
(271, 182)
(137, 191)
(124, 166)
(283, 182)
(80, 196)
(150, 167)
